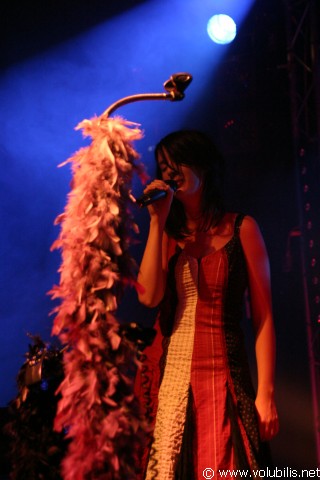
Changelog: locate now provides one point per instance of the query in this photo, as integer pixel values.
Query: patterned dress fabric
(199, 374)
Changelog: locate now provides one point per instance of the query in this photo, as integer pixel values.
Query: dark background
(65, 61)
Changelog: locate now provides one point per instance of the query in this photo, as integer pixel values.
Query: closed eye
(167, 170)
(170, 171)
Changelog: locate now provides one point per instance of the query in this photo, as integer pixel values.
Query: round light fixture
(221, 29)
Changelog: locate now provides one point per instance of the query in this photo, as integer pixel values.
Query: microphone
(155, 194)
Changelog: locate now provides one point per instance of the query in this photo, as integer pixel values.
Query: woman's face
(188, 182)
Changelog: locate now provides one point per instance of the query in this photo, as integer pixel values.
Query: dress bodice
(210, 274)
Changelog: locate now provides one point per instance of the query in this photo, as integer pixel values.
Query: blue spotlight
(221, 29)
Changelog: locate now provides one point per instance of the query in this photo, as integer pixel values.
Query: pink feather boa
(97, 409)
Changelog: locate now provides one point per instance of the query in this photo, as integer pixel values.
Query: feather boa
(98, 409)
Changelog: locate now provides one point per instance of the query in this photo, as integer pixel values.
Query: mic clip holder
(175, 87)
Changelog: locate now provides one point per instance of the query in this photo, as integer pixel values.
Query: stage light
(221, 29)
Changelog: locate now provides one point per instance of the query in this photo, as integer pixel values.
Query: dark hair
(196, 150)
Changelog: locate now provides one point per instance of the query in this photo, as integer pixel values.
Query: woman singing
(198, 262)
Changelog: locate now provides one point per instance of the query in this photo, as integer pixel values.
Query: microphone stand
(175, 87)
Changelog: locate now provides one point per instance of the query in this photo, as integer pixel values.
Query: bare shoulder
(251, 237)
(249, 226)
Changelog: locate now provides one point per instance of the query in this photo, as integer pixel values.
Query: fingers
(160, 208)
(267, 416)
(156, 184)
(268, 430)
(268, 422)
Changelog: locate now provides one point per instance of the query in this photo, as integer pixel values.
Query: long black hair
(196, 150)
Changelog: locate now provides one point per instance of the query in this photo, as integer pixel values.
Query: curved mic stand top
(175, 87)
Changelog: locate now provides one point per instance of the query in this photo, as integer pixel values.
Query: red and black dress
(199, 381)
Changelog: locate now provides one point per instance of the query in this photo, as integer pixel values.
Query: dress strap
(237, 223)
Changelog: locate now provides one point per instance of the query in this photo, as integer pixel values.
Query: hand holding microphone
(154, 194)
(158, 198)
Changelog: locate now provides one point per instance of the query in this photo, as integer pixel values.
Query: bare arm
(153, 269)
(261, 305)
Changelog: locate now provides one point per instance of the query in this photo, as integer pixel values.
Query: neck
(192, 208)
(193, 214)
